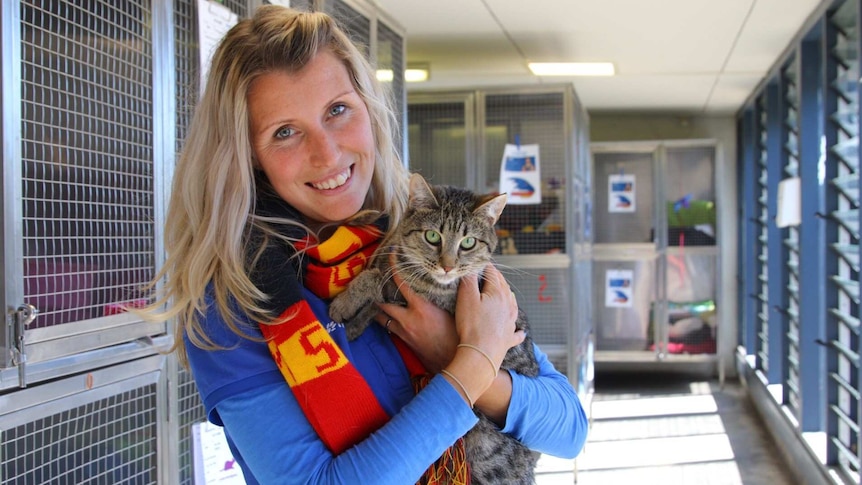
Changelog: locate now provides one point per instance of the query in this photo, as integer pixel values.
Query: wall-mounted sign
(621, 193)
(213, 460)
(520, 176)
(618, 288)
(789, 202)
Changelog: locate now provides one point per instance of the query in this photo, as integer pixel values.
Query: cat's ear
(420, 193)
(491, 207)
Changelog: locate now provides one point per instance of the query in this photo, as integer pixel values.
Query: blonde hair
(210, 213)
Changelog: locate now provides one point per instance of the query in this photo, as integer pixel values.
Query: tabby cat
(446, 233)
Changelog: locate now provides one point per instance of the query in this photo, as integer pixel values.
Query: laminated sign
(213, 461)
(618, 288)
(520, 177)
(621, 193)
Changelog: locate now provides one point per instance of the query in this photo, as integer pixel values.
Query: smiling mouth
(334, 182)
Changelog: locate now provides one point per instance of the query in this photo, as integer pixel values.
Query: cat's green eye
(433, 237)
(468, 243)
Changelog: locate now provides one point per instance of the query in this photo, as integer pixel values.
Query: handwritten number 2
(542, 287)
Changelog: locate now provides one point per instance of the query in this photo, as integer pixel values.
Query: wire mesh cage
(466, 138)
(87, 157)
(110, 440)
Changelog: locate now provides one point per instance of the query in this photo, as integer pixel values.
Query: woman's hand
(428, 330)
(486, 319)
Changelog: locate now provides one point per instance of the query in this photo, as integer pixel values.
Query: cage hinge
(23, 316)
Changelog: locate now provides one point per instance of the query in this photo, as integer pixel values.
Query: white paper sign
(520, 176)
(621, 193)
(789, 202)
(618, 288)
(214, 20)
(214, 463)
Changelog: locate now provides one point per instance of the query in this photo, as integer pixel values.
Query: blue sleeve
(545, 413)
(280, 447)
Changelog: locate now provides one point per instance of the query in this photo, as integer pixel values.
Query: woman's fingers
(496, 286)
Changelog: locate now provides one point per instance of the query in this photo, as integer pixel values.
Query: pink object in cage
(120, 307)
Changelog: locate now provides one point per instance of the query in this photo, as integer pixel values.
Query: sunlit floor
(675, 430)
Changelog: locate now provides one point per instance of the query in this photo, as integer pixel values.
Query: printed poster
(621, 193)
(618, 288)
(213, 461)
(214, 20)
(520, 176)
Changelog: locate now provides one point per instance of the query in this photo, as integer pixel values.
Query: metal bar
(777, 322)
(760, 194)
(746, 235)
(11, 245)
(830, 230)
(811, 234)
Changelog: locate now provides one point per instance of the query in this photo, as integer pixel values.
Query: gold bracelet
(487, 357)
(464, 389)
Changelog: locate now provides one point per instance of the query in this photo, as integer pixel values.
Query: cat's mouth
(446, 278)
(334, 182)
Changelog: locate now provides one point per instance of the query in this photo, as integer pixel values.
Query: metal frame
(45, 352)
(776, 270)
(10, 63)
(468, 100)
(577, 350)
(658, 251)
(811, 232)
(827, 51)
(93, 396)
(748, 229)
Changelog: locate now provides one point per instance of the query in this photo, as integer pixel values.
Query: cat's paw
(340, 310)
(354, 330)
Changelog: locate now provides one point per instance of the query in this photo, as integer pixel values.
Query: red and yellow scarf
(334, 396)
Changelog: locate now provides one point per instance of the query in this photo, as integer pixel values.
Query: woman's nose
(323, 147)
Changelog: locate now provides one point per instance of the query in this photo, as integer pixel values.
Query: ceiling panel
(772, 25)
(729, 90)
(699, 56)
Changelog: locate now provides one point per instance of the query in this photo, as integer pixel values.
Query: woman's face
(311, 134)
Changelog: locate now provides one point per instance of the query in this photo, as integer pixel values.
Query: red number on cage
(542, 287)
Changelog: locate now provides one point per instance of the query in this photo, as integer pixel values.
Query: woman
(291, 140)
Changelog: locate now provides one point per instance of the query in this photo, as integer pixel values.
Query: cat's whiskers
(405, 270)
(506, 269)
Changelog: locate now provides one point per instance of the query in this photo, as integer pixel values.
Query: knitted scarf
(334, 396)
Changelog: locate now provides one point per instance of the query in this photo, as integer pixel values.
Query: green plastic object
(698, 212)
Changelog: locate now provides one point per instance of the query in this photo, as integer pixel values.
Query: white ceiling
(693, 56)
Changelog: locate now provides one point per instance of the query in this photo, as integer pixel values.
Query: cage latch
(24, 315)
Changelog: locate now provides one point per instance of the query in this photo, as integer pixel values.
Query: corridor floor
(670, 430)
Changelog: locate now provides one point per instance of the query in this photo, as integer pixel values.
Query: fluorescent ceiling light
(572, 68)
(416, 75)
(411, 75)
(385, 75)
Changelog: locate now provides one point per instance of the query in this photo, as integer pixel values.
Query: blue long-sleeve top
(243, 390)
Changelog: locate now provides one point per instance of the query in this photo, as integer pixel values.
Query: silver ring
(386, 326)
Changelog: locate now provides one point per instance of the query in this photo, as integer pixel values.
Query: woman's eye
(432, 237)
(468, 243)
(284, 132)
(337, 110)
